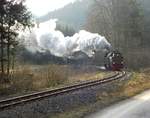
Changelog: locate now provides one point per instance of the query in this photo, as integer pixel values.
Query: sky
(41, 7)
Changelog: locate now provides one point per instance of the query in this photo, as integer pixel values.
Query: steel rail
(11, 102)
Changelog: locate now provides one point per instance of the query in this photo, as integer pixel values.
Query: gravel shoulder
(136, 107)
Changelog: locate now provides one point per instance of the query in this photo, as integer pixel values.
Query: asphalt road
(136, 107)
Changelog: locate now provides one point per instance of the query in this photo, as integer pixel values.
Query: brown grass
(139, 82)
(29, 78)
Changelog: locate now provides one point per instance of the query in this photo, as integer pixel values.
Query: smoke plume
(45, 37)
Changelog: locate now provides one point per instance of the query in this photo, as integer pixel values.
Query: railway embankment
(51, 106)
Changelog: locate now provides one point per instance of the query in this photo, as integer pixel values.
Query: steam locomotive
(114, 61)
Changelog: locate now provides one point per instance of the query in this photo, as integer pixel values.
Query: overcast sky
(41, 7)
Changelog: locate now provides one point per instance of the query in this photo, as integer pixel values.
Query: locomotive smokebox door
(113, 61)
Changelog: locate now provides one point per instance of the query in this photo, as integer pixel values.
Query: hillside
(73, 14)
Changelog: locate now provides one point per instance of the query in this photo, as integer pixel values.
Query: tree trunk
(2, 57)
(8, 59)
(8, 54)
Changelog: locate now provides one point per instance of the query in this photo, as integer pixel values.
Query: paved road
(136, 107)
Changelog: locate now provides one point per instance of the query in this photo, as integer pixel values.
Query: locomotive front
(114, 61)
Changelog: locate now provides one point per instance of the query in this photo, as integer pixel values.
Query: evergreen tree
(65, 29)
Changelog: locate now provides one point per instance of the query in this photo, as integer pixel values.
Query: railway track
(12, 102)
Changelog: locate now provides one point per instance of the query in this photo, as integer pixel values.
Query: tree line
(67, 30)
(122, 22)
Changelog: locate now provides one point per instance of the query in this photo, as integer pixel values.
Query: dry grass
(50, 76)
(29, 78)
(139, 82)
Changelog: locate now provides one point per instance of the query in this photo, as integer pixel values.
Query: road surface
(136, 107)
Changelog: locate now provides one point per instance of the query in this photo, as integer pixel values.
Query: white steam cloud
(46, 38)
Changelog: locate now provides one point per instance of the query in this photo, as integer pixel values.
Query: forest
(125, 23)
